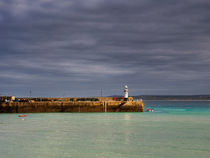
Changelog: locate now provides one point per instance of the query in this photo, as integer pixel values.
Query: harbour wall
(71, 106)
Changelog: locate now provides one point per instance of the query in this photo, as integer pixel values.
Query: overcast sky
(78, 47)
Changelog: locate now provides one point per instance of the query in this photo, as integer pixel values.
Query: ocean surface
(174, 130)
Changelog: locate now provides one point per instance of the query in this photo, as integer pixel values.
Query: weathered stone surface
(72, 106)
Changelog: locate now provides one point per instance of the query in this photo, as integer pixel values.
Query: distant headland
(174, 97)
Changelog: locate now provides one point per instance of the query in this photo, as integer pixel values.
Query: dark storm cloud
(77, 47)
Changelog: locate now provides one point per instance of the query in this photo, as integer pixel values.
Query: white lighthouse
(126, 93)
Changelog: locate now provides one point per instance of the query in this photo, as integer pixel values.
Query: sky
(76, 48)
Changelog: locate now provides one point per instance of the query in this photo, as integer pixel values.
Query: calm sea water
(175, 130)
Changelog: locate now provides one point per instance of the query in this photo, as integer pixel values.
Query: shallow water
(175, 129)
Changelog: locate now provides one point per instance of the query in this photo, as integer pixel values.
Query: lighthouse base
(125, 99)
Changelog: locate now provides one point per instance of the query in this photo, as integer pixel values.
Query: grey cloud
(81, 46)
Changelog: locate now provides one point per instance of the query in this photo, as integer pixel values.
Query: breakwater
(71, 106)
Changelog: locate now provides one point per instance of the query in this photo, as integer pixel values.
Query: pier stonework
(71, 106)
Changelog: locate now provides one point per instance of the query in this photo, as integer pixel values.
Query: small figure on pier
(126, 93)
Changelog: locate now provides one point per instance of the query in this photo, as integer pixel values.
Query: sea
(175, 129)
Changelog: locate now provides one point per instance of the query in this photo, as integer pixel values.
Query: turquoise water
(174, 130)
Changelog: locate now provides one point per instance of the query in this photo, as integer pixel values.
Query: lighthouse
(126, 93)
